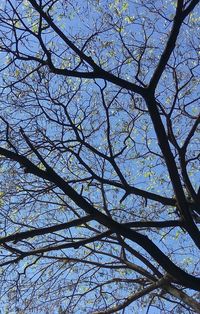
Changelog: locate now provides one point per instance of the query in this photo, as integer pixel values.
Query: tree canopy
(99, 156)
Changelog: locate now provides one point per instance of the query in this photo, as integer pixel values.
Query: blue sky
(68, 106)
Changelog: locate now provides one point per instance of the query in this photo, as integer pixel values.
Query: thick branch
(156, 224)
(172, 168)
(98, 71)
(42, 231)
(171, 43)
(183, 297)
(191, 133)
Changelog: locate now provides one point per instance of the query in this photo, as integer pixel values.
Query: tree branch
(98, 71)
(142, 240)
(135, 296)
(171, 43)
(42, 231)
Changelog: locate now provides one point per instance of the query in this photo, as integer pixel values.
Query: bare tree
(100, 197)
